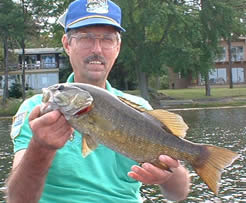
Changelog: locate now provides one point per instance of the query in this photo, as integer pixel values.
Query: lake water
(221, 127)
(6, 153)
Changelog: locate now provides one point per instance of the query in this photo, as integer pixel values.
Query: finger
(65, 129)
(50, 117)
(140, 171)
(135, 176)
(138, 174)
(35, 113)
(64, 134)
(61, 122)
(61, 127)
(170, 162)
(155, 171)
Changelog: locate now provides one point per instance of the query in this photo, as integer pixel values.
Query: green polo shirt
(100, 177)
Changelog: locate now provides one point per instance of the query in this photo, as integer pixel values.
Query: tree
(150, 25)
(181, 34)
(27, 28)
(221, 19)
(46, 13)
(8, 22)
(232, 20)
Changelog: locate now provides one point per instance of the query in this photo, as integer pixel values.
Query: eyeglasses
(87, 40)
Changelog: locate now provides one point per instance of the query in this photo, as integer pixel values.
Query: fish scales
(138, 136)
(132, 131)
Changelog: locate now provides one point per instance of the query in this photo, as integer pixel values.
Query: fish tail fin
(211, 168)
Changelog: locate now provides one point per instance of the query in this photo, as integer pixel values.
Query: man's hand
(50, 130)
(150, 174)
(174, 185)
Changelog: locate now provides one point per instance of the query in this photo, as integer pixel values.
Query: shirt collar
(70, 79)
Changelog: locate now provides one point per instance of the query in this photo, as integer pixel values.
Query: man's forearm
(177, 187)
(26, 181)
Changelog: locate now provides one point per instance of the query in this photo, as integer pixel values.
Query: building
(220, 74)
(41, 67)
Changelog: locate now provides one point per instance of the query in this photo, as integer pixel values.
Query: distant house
(41, 67)
(220, 74)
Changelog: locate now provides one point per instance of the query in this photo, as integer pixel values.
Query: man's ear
(118, 49)
(65, 43)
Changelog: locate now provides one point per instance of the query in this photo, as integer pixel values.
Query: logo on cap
(97, 6)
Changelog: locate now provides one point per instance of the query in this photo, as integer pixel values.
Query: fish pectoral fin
(171, 121)
(88, 145)
(132, 104)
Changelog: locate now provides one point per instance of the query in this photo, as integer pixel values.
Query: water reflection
(224, 128)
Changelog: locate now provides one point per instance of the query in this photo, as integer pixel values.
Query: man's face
(90, 55)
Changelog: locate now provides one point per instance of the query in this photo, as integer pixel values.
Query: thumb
(35, 113)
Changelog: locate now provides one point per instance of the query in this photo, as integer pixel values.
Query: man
(48, 166)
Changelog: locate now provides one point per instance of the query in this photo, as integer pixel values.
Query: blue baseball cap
(82, 13)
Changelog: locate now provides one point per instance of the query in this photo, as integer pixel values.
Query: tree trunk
(230, 63)
(143, 84)
(158, 83)
(23, 71)
(5, 65)
(126, 83)
(23, 55)
(207, 85)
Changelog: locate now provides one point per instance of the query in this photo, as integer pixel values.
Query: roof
(57, 50)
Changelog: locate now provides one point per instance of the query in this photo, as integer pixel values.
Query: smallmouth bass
(141, 135)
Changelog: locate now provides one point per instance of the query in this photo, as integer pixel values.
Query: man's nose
(97, 46)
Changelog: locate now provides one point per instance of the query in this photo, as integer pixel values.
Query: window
(48, 61)
(237, 53)
(217, 76)
(237, 75)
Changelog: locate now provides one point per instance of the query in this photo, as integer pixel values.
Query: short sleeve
(21, 132)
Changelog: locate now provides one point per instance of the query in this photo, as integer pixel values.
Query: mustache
(95, 57)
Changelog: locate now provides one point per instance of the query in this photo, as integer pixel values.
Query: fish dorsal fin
(88, 145)
(172, 121)
(132, 104)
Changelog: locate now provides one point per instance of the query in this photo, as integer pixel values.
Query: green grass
(190, 94)
(220, 96)
(199, 93)
(10, 108)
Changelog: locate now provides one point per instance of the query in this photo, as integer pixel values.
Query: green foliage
(177, 34)
(1, 56)
(10, 108)
(30, 93)
(45, 10)
(159, 82)
(15, 90)
(158, 33)
(183, 35)
(64, 73)
(164, 82)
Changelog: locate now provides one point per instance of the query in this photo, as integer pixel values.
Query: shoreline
(205, 108)
(5, 117)
(179, 108)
